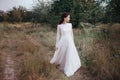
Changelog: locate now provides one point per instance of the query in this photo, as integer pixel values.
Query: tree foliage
(91, 11)
(113, 11)
(16, 14)
(81, 10)
(40, 11)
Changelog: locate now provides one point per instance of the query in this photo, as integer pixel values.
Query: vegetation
(92, 11)
(32, 48)
(31, 44)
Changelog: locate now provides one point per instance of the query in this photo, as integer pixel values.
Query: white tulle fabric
(66, 55)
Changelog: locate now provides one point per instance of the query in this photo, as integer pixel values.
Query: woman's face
(67, 19)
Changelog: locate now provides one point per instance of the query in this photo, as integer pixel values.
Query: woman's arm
(58, 36)
(72, 32)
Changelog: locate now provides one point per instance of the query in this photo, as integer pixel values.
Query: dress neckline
(64, 23)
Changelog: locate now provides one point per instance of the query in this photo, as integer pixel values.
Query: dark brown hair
(64, 15)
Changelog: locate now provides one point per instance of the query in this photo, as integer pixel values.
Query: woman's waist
(66, 37)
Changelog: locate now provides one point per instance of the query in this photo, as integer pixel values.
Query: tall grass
(1, 69)
(43, 34)
(29, 58)
(97, 47)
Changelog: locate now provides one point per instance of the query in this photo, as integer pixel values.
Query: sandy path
(9, 71)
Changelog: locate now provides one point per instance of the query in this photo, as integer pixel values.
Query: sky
(6, 5)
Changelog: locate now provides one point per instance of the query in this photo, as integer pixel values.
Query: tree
(16, 14)
(60, 6)
(81, 10)
(28, 16)
(113, 11)
(40, 11)
(1, 15)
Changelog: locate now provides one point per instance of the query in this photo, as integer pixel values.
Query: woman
(66, 55)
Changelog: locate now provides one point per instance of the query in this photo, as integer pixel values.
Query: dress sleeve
(72, 32)
(58, 35)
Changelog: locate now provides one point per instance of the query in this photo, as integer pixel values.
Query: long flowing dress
(66, 55)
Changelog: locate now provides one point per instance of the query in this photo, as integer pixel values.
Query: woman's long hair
(64, 15)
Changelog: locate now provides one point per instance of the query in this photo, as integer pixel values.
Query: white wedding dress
(66, 55)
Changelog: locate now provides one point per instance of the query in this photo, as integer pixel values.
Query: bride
(66, 54)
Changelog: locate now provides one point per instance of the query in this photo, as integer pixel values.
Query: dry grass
(0, 67)
(100, 51)
(32, 46)
(94, 46)
(29, 56)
